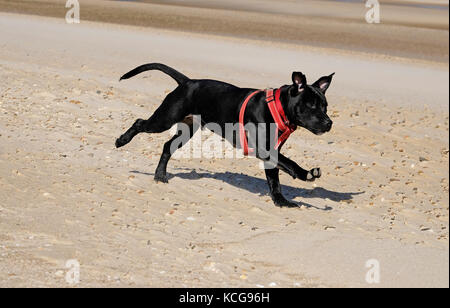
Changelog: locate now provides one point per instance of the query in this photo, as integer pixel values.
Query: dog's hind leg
(173, 109)
(183, 135)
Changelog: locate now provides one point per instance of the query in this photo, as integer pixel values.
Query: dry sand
(66, 193)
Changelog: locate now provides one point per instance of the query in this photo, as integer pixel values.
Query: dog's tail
(180, 78)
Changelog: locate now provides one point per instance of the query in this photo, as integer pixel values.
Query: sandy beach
(67, 193)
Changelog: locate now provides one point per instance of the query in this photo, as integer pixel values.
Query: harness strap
(284, 128)
(242, 134)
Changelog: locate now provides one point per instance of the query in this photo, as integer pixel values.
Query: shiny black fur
(218, 102)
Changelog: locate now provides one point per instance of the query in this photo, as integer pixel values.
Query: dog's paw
(313, 174)
(161, 178)
(120, 142)
(283, 202)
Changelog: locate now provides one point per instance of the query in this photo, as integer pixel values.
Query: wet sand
(409, 32)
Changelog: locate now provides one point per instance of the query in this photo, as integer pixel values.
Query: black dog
(217, 102)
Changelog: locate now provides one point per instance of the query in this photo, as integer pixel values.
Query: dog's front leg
(287, 165)
(294, 170)
(290, 167)
(278, 160)
(273, 179)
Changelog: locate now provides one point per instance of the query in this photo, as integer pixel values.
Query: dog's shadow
(259, 186)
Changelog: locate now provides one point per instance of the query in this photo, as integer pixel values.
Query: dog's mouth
(318, 132)
(322, 129)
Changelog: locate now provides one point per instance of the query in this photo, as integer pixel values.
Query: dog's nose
(329, 124)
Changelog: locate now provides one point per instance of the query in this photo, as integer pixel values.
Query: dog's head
(307, 105)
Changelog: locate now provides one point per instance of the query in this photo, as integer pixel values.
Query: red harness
(284, 128)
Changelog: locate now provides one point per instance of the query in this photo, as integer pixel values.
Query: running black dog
(218, 102)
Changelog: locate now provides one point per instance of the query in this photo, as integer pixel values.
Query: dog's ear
(299, 81)
(323, 83)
